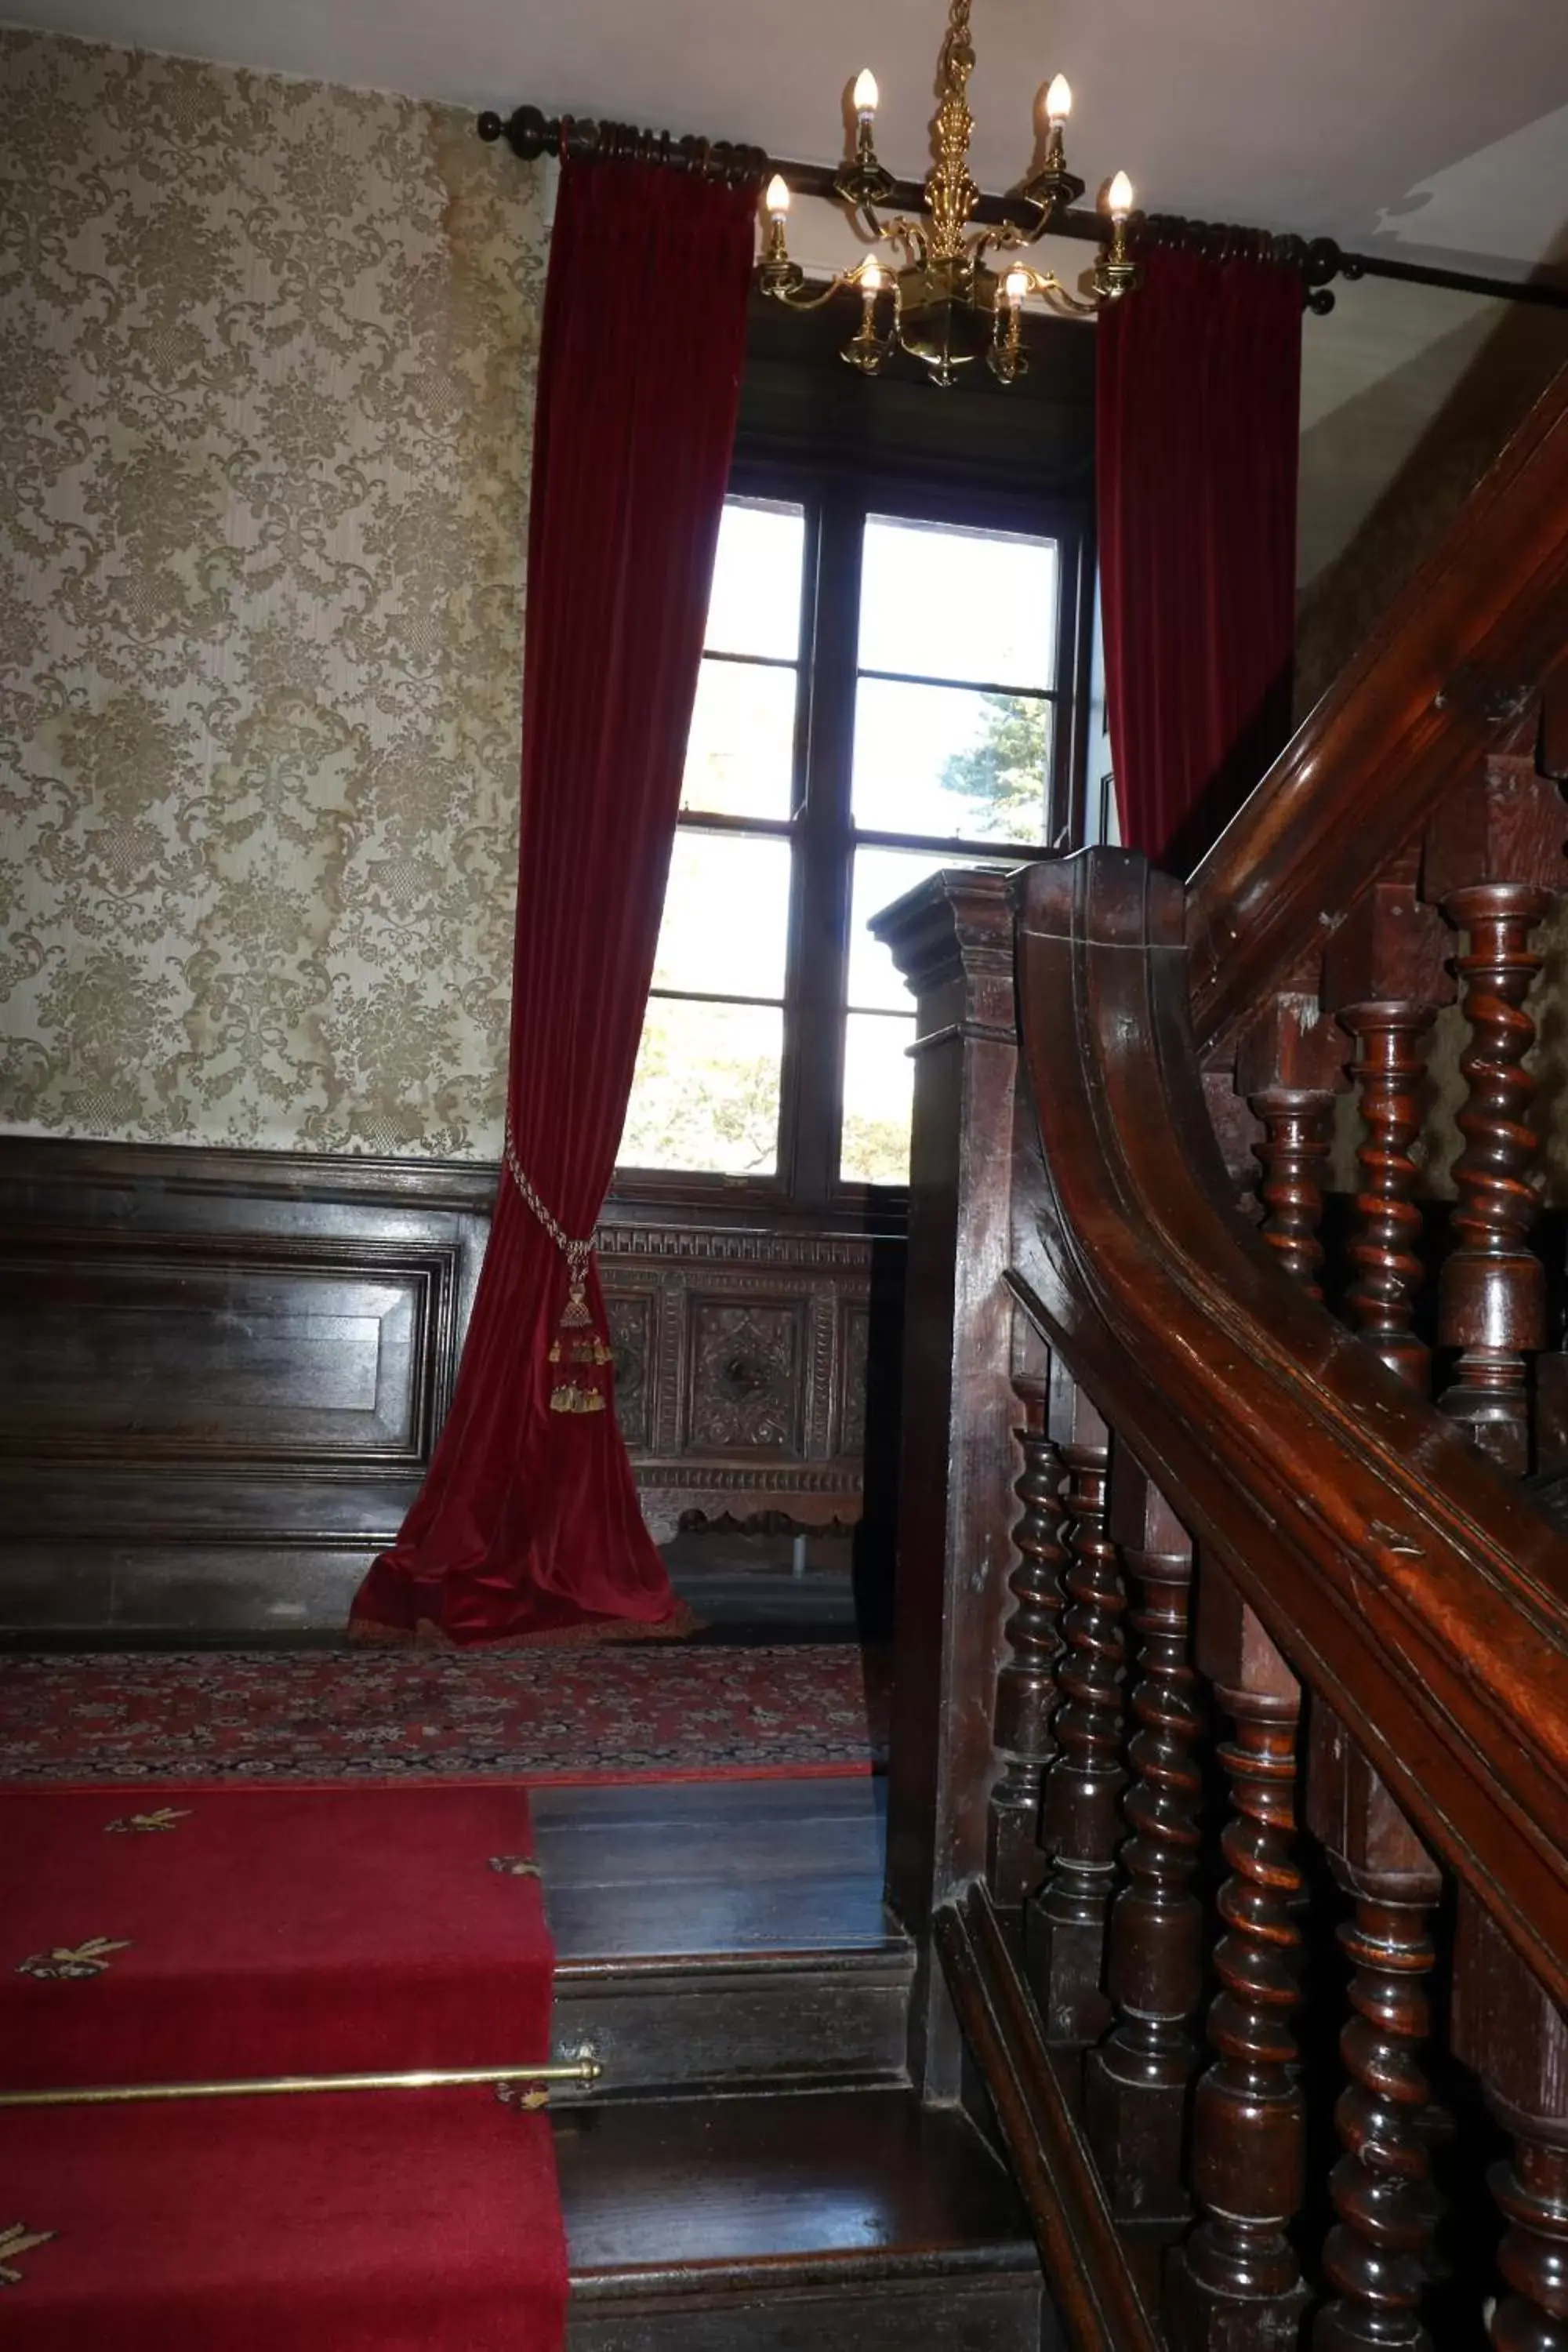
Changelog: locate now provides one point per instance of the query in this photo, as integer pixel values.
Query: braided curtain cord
(581, 1391)
(576, 1253)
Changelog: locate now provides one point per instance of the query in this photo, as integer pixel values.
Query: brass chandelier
(937, 294)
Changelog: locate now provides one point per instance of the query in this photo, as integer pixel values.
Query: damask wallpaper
(266, 356)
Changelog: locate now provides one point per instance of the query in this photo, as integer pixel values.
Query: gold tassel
(571, 1399)
(576, 1312)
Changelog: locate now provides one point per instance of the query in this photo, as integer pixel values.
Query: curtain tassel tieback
(584, 1348)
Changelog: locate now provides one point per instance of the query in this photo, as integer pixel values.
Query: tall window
(887, 689)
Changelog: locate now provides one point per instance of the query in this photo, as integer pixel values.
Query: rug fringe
(426, 1634)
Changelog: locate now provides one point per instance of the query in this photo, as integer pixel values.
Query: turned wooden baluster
(1516, 2038)
(1025, 1684)
(1235, 2286)
(1384, 975)
(1136, 2084)
(1376, 2259)
(1288, 1067)
(1493, 860)
(1065, 1922)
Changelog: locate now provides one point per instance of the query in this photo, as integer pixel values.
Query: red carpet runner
(195, 1932)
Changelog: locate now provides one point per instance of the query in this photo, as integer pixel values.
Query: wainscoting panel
(222, 1374)
(197, 1348)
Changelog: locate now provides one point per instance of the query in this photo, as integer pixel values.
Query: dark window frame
(837, 500)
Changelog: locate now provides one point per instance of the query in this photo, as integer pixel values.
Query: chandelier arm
(910, 235)
(795, 297)
(1066, 304)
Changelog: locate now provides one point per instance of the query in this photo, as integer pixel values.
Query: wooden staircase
(1228, 1805)
(758, 2170)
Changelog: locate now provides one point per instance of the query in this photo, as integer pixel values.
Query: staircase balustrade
(1264, 1970)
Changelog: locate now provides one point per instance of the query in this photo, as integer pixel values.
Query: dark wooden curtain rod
(531, 133)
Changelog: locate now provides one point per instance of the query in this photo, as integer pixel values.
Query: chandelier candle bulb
(1059, 101)
(1116, 273)
(776, 273)
(1014, 286)
(866, 96)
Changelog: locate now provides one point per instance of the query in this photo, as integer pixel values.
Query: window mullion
(822, 934)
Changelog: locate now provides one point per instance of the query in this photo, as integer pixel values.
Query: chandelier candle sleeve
(951, 302)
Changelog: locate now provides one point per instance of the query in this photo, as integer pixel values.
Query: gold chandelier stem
(950, 192)
(422, 2078)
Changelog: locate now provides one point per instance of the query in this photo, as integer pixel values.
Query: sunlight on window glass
(947, 760)
(726, 915)
(878, 1097)
(740, 754)
(755, 606)
(706, 1091)
(880, 876)
(940, 603)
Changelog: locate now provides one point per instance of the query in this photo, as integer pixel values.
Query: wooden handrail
(1452, 672)
(1403, 1579)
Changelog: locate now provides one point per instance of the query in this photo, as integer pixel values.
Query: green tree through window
(1009, 769)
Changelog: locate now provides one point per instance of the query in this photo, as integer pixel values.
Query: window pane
(880, 876)
(942, 602)
(948, 760)
(726, 915)
(754, 605)
(740, 754)
(879, 1096)
(706, 1092)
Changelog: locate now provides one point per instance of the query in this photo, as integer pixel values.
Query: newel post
(952, 940)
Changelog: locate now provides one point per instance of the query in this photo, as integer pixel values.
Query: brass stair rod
(423, 2078)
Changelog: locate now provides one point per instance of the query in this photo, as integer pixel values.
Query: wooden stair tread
(725, 1934)
(787, 2188)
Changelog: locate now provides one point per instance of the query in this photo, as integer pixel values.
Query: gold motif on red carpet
(515, 1866)
(72, 1961)
(163, 1819)
(16, 2238)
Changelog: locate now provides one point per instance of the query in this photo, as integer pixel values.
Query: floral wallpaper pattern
(266, 354)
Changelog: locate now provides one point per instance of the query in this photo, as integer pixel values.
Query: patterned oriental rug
(604, 1715)
(236, 1933)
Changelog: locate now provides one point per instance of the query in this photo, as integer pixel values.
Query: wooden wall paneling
(203, 1348)
(222, 1374)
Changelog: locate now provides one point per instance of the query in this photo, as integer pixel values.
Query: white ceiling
(1432, 131)
(1435, 128)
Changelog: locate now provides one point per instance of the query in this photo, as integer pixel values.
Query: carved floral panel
(855, 1340)
(629, 1315)
(745, 1393)
(266, 356)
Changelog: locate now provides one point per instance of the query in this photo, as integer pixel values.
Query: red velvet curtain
(1197, 424)
(527, 1528)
